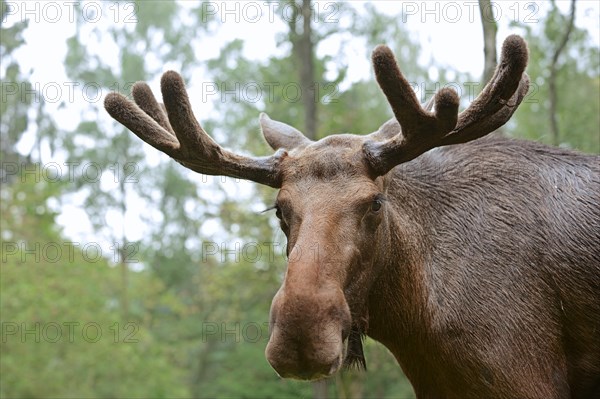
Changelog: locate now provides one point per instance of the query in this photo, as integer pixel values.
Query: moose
(475, 260)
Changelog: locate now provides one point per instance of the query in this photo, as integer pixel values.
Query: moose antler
(423, 130)
(174, 130)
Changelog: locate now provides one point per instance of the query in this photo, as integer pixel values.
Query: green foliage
(62, 335)
(26, 215)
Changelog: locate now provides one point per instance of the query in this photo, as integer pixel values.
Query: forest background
(124, 274)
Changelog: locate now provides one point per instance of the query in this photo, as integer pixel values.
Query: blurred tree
(22, 109)
(62, 332)
(120, 152)
(13, 90)
(576, 79)
(62, 335)
(302, 38)
(490, 28)
(553, 72)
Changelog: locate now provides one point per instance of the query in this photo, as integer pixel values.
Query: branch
(553, 73)
(489, 39)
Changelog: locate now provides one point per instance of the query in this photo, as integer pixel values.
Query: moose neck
(400, 302)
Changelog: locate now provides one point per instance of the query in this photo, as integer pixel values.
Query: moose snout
(307, 335)
(302, 366)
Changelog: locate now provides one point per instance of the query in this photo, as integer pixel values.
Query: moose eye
(278, 212)
(376, 204)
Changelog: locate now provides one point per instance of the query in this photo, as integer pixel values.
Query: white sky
(449, 32)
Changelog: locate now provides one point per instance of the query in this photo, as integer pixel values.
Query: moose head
(336, 202)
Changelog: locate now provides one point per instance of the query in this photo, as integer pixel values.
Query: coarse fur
(482, 277)
(490, 284)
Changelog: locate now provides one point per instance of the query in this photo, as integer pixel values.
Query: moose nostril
(324, 371)
(292, 364)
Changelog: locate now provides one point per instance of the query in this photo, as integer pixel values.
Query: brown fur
(476, 265)
(481, 275)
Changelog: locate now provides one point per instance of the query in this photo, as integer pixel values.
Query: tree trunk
(554, 72)
(121, 248)
(489, 39)
(303, 51)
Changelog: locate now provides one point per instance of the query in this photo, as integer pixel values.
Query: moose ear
(280, 135)
(386, 131)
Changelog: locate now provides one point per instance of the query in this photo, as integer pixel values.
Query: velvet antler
(423, 130)
(175, 131)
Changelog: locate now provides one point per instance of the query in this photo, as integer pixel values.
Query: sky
(449, 33)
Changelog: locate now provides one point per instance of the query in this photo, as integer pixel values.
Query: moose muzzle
(309, 324)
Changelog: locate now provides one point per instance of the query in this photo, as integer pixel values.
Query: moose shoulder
(477, 265)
